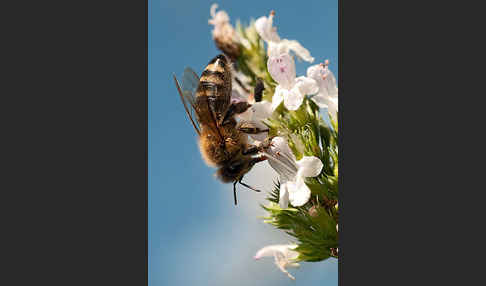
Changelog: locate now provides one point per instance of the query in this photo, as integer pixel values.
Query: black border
(146, 142)
(75, 113)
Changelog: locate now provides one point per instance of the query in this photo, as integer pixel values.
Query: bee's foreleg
(259, 87)
(251, 150)
(258, 159)
(249, 128)
(265, 144)
(233, 109)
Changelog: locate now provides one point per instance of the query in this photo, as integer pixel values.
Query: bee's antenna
(234, 190)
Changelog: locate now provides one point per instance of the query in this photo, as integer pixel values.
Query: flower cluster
(303, 150)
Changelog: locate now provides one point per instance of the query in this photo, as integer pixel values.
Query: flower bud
(224, 34)
(313, 211)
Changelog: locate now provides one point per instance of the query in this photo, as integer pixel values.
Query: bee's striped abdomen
(214, 89)
(216, 78)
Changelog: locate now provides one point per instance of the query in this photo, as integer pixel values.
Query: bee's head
(234, 170)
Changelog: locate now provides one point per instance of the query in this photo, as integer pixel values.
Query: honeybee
(222, 140)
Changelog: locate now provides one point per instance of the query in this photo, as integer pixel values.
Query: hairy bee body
(222, 142)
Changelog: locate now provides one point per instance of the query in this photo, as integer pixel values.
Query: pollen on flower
(272, 13)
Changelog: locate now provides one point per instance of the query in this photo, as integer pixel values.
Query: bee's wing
(187, 91)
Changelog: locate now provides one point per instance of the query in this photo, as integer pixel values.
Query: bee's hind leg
(255, 149)
(251, 150)
(258, 92)
(248, 186)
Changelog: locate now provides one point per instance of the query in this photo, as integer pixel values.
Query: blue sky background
(196, 235)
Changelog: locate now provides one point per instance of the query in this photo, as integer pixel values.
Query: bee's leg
(234, 108)
(248, 186)
(267, 143)
(251, 150)
(255, 149)
(258, 159)
(259, 87)
(234, 191)
(249, 128)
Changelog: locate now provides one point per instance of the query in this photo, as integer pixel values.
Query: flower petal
(281, 262)
(331, 84)
(219, 19)
(261, 110)
(282, 70)
(315, 71)
(276, 49)
(293, 99)
(284, 196)
(333, 106)
(263, 26)
(299, 193)
(321, 100)
(298, 49)
(309, 166)
(325, 79)
(282, 148)
(278, 97)
(286, 249)
(282, 159)
(284, 256)
(307, 86)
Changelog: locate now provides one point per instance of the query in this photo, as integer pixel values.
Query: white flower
(292, 172)
(258, 112)
(283, 254)
(328, 90)
(290, 90)
(276, 46)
